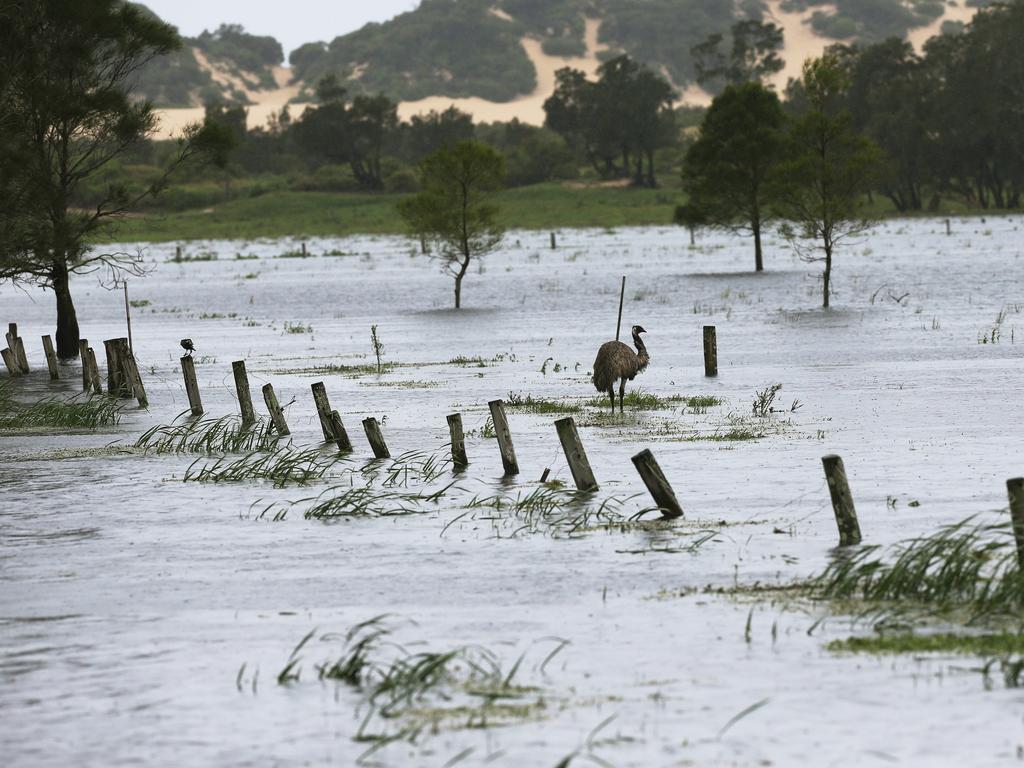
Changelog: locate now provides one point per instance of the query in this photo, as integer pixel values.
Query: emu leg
(622, 394)
(611, 394)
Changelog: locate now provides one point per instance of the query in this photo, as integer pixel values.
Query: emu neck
(641, 351)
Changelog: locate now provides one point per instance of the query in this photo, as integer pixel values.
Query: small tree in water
(453, 210)
(822, 187)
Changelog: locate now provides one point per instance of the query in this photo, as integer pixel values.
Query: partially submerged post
(113, 367)
(575, 455)
(459, 458)
(1015, 489)
(373, 434)
(128, 317)
(188, 370)
(11, 361)
(130, 376)
(275, 410)
(842, 500)
(17, 346)
(554, 244)
(340, 433)
(657, 484)
(323, 410)
(710, 351)
(508, 452)
(242, 390)
(949, 230)
(83, 352)
(94, 373)
(51, 357)
(304, 254)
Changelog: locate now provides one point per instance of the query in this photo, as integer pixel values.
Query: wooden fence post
(188, 370)
(949, 230)
(710, 351)
(323, 410)
(242, 390)
(1015, 490)
(17, 346)
(575, 455)
(94, 373)
(554, 243)
(130, 376)
(11, 361)
(842, 500)
(113, 367)
(275, 410)
(373, 434)
(340, 433)
(657, 484)
(83, 351)
(508, 452)
(51, 357)
(459, 458)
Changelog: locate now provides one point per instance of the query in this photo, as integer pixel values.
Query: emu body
(617, 362)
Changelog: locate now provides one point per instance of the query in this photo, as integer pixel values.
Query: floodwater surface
(146, 619)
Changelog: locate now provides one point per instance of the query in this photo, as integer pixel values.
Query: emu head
(637, 330)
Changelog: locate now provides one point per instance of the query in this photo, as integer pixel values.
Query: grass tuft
(224, 435)
(56, 413)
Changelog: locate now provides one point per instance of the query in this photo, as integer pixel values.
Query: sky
(292, 22)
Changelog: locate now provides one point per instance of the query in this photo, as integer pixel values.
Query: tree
(453, 209)
(69, 66)
(821, 186)
(727, 171)
(753, 57)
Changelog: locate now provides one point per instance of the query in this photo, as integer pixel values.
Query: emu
(617, 362)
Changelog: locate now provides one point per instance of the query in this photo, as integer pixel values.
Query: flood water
(130, 600)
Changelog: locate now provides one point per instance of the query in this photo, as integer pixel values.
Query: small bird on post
(187, 345)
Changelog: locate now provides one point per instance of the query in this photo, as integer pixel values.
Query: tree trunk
(67, 320)
(458, 282)
(758, 260)
(828, 274)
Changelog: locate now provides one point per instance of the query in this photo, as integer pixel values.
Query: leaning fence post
(51, 357)
(373, 434)
(575, 455)
(508, 452)
(842, 500)
(94, 373)
(242, 390)
(459, 458)
(710, 351)
(130, 373)
(17, 346)
(657, 484)
(188, 370)
(1015, 489)
(11, 361)
(275, 410)
(340, 433)
(323, 409)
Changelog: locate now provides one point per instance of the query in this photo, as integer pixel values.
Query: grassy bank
(292, 214)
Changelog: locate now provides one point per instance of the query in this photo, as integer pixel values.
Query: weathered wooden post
(459, 458)
(188, 370)
(83, 352)
(710, 351)
(275, 410)
(554, 244)
(177, 253)
(11, 335)
(657, 484)
(242, 390)
(949, 230)
(94, 373)
(323, 409)
(130, 376)
(1015, 489)
(508, 452)
(113, 367)
(17, 346)
(51, 357)
(340, 433)
(545, 474)
(11, 361)
(575, 455)
(423, 245)
(304, 249)
(373, 434)
(842, 500)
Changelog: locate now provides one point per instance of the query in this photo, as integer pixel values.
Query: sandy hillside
(801, 43)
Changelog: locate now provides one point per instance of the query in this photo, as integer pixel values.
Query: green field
(294, 214)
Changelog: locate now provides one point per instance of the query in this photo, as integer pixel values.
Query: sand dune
(800, 40)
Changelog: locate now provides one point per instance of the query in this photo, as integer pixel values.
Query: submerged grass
(531, 404)
(639, 400)
(225, 435)
(282, 466)
(966, 569)
(80, 412)
(946, 642)
(546, 509)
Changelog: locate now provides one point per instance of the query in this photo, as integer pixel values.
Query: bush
(402, 180)
(328, 178)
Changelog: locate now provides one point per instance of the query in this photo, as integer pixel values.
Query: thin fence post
(188, 370)
(304, 254)
(83, 351)
(459, 458)
(501, 430)
(582, 474)
(51, 357)
(340, 433)
(128, 317)
(554, 243)
(842, 500)
(372, 428)
(949, 229)
(94, 373)
(657, 484)
(710, 351)
(275, 410)
(242, 390)
(323, 409)
(1015, 490)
